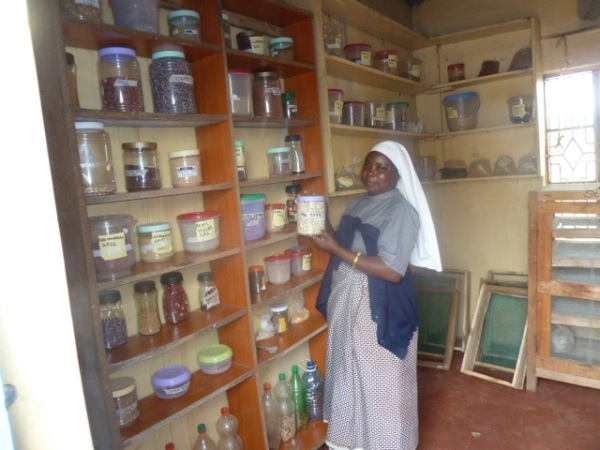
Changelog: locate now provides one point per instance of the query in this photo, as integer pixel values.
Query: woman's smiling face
(379, 174)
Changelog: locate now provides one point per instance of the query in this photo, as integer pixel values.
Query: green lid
(397, 104)
(156, 226)
(281, 43)
(288, 95)
(253, 197)
(214, 354)
(279, 150)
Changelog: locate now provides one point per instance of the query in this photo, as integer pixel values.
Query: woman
(370, 302)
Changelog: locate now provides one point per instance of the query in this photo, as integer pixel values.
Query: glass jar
(185, 168)
(155, 241)
(226, 29)
(290, 204)
(176, 306)
(240, 92)
(279, 317)
(146, 305)
(290, 105)
(294, 142)
(386, 61)
(375, 112)
(353, 113)
(282, 48)
(257, 279)
(72, 69)
(136, 14)
(208, 293)
(125, 399)
(266, 95)
(89, 10)
(280, 161)
(95, 158)
(336, 105)
(112, 246)
(240, 160)
(141, 166)
(114, 326)
(274, 217)
(456, 72)
(184, 24)
(253, 216)
(311, 214)
(332, 34)
(120, 80)
(172, 83)
(410, 68)
(396, 116)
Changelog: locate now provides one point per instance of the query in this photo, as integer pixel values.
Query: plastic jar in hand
(172, 83)
(120, 80)
(311, 215)
(176, 306)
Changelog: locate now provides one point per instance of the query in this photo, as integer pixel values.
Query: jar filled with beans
(311, 215)
(141, 166)
(266, 95)
(176, 306)
(146, 303)
(114, 326)
(172, 83)
(120, 80)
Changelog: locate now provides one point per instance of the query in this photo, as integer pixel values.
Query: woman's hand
(326, 241)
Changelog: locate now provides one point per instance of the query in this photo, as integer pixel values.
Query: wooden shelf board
(367, 132)
(480, 179)
(276, 292)
(272, 11)
(503, 76)
(482, 32)
(342, 68)
(451, 134)
(144, 119)
(277, 180)
(156, 412)
(358, 15)
(576, 233)
(288, 232)
(181, 260)
(268, 122)
(238, 59)
(140, 348)
(163, 192)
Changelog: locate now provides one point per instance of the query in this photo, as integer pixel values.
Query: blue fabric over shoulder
(394, 306)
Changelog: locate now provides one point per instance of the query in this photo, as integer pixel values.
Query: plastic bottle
(287, 409)
(204, 442)
(314, 391)
(227, 426)
(272, 415)
(299, 397)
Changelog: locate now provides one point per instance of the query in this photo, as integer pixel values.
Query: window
(571, 127)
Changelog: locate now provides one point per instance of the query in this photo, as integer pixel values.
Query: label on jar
(177, 390)
(273, 90)
(278, 217)
(124, 82)
(380, 114)
(415, 71)
(95, 3)
(518, 111)
(306, 262)
(185, 79)
(392, 61)
(162, 242)
(257, 44)
(365, 58)
(253, 219)
(206, 230)
(452, 113)
(112, 246)
(211, 298)
(338, 108)
(240, 160)
(389, 117)
(187, 171)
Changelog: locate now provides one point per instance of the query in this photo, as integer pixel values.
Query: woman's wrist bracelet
(356, 260)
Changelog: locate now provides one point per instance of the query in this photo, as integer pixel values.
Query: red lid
(335, 90)
(385, 53)
(244, 71)
(354, 101)
(280, 257)
(199, 215)
(275, 206)
(456, 66)
(256, 269)
(357, 45)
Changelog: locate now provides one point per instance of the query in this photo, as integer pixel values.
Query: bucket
(461, 111)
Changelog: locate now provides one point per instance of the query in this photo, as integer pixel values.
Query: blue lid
(311, 198)
(168, 54)
(464, 96)
(171, 376)
(116, 51)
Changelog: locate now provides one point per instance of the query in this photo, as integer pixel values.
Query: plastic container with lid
(175, 301)
(240, 160)
(461, 111)
(141, 166)
(334, 38)
(410, 68)
(172, 83)
(253, 216)
(185, 168)
(240, 90)
(251, 41)
(124, 394)
(200, 231)
(120, 80)
(155, 241)
(311, 215)
(137, 14)
(114, 325)
(146, 305)
(353, 113)
(95, 158)
(336, 105)
(521, 108)
(291, 205)
(112, 245)
(257, 279)
(301, 259)
(280, 161)
(185, 24)
(208, 293)
(375, 114)
(266, 95)
(359, 53)
(171, 381)
(456, 72)
(396, 116)
(274, 217)
(89, 10)
(215, 359)
(386, 61)
(294, 142)
(226, 26)
(280, 317)
(282, 48)
(290, 105)
(279, 268)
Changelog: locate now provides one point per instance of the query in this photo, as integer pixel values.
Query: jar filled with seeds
(185, 168)
(95, 158)
(112, 245)
(141, 166)
(176, 306)
(266, 95)
(146, 304)
(120, 80)
(184, 24)
(114, 326)
(90, 10)
(172, 83)
(155, 241)
(311, 215)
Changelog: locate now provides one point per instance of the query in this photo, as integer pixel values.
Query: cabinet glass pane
(576, 248)
(576, 329)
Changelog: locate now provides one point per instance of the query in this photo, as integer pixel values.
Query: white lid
(89, 125)
(122, 386)
(182, 153)
(311, 198)
(279, 307)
